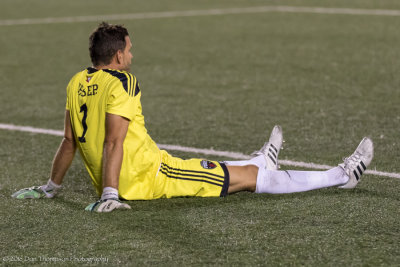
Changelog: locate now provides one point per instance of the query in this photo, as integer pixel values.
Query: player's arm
(65, 153)
(116, 129)
(61, 163)
(113, 151)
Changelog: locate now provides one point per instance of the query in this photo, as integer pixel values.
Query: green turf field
(217, 82)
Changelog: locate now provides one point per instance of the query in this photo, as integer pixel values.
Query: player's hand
(107, 205)
(33, 192)
(48, 190)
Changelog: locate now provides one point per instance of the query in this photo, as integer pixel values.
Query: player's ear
(119, 57)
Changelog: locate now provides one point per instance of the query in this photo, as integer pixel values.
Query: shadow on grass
(79, 200)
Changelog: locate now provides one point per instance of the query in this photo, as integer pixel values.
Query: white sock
(258, 161)
(278, 182)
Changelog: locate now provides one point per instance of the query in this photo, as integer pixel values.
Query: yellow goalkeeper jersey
(90, 95)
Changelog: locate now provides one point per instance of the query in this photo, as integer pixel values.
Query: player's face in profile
(127, 55)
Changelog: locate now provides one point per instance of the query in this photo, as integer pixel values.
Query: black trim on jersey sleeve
(130, 78)
(91, 70)
(133, 85)
(121, 76)
(137, 89)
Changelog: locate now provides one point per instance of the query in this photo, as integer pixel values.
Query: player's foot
(271, 149)
(357, 163)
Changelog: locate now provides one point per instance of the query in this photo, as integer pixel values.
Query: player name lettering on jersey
(88, 91)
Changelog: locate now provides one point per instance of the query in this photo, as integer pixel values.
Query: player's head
(110, 44)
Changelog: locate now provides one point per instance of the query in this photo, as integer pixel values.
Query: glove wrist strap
(51, 188)
(109, 192)
(53, 185)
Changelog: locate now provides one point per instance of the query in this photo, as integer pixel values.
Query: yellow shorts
(190, 178)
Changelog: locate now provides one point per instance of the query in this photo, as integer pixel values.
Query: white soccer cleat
(357, 163)
(271, 149)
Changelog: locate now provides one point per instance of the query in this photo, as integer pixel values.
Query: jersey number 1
(84, 110)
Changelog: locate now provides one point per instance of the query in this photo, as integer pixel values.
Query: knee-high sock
(278, 182)
(258, 161)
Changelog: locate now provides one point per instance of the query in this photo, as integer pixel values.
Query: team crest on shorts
(206, 164)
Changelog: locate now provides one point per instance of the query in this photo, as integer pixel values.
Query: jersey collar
(91, 70)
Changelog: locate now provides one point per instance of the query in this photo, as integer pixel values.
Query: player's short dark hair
(105, 41)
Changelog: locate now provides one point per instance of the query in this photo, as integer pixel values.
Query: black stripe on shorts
(225, 187)
(189, 174)
(184, 173)
(189, 179)
(191, 171)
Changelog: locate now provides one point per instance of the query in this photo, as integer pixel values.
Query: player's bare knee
(251, 177)
(242, 178)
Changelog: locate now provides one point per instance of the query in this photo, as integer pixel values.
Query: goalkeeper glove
(48, 190)
(108, 202)
(107, 205)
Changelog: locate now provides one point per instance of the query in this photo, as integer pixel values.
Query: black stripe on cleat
(273, 160)
(276, 150)
(363, 165)
(273, 153)
(359, 170)
(355, 173)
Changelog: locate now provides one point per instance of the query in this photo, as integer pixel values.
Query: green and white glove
(107, 205)
(48, 190)
(108, 202)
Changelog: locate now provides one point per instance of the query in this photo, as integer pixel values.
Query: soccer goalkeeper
(103, 119)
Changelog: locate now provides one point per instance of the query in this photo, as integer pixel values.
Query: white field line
(228, 154)
(207, 12)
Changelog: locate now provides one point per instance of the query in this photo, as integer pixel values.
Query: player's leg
(267, 156)
(261, 180)
(242, 178)
(280, 182)
(190, 178)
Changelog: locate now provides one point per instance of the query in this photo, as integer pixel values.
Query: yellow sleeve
(120, 103)
(70, 84)
(67, 101)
